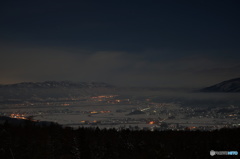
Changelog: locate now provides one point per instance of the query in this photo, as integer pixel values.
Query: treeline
(32, 141)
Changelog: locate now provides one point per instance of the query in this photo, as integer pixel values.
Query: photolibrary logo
(212, 152)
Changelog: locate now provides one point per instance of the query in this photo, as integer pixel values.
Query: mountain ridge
(232, 85)
(56, 84)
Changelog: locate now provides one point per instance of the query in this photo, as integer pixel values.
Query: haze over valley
(93, 104)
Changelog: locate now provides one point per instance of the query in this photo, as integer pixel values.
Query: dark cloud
(29, 63)
(158, 43)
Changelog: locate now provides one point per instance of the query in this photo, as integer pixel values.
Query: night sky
(165, 43)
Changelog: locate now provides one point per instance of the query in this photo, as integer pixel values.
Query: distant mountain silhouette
(57, 84)
(232, 85)
(54, 90)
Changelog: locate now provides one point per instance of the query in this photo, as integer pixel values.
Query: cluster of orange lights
(87, 122)
(65, 104)
(232, 115)
(103, 111)
(110, 96)
(192, 127)
(18, 116)
(151, 122)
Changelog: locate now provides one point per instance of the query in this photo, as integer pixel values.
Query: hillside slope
(232, 85)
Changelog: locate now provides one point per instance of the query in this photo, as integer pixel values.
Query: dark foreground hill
(232, 85)
(32, 141)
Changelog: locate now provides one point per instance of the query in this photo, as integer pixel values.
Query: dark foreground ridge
(232, 85)
(36, 141)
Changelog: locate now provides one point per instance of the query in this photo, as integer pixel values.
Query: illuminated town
(113, 111)
(18, 116)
